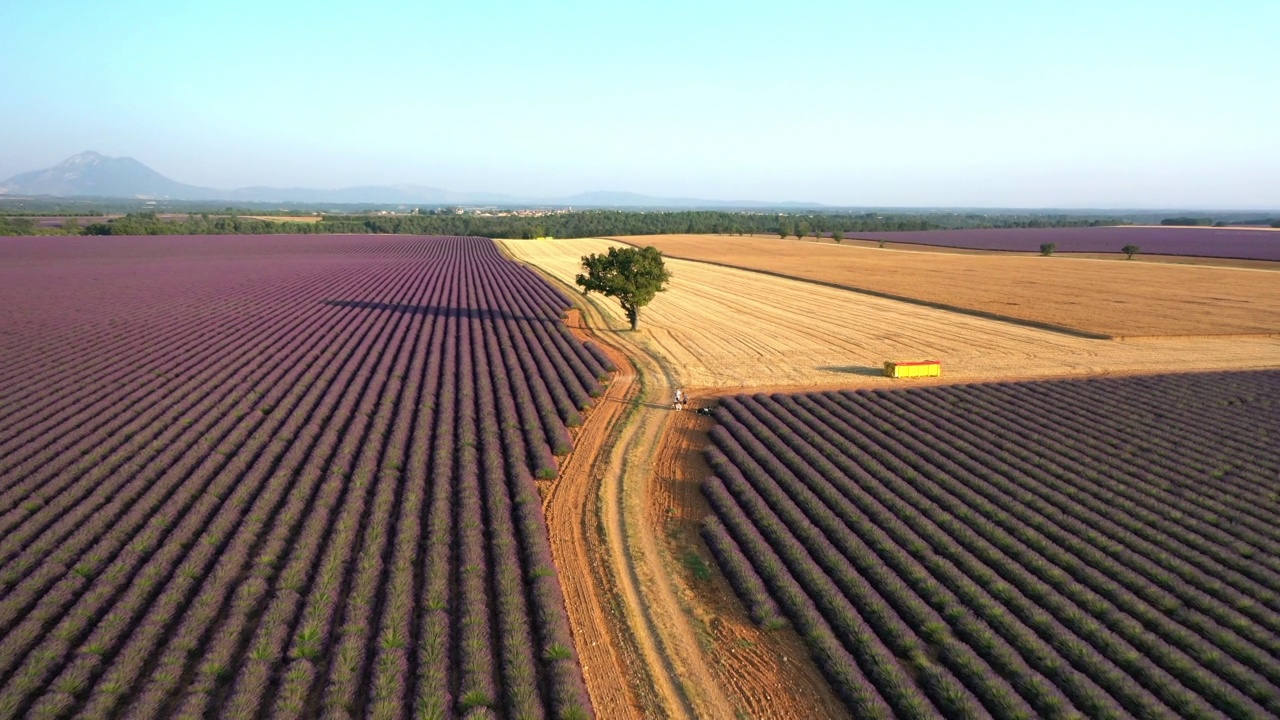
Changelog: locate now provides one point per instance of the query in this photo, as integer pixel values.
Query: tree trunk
(633, 314)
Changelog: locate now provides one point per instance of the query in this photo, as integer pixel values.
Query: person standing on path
(680, 399)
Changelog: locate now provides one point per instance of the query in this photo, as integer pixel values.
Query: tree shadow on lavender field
(441, 311)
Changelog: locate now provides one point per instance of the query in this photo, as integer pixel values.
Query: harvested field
(282, 477)
(1097, 548)
(721, 327)
(1104, 297)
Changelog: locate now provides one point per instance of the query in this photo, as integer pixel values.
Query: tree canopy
(632, 276)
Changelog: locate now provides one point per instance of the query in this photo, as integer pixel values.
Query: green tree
(837, 236)
(1130, 250)
(629, 275)
(1186, 220)
(801, 230)
(1046, 249)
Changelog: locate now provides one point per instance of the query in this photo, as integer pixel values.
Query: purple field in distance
(1200, 242)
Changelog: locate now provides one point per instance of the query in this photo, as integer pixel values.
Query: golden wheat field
(1110, 297)
(721, 327)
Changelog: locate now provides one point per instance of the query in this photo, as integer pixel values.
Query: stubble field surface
(282, 477)
(1116, 298)
(721, 327)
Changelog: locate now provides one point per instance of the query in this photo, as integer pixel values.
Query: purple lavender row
(522, 686)
(1013, 484)
(153, 695)
(1204, 242)
(833, 572)
(1210, 497)
(808, 487)
(158, 538)
(1120, 505)
(1209, 616)
(300, 542)
(897, 534)
(1160, 667)
(744, 579)
(956, 540)
(860, 695)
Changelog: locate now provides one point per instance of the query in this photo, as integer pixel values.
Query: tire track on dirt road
(608, 554)
(607, 657)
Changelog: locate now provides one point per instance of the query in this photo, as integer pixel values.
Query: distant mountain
(91, 174)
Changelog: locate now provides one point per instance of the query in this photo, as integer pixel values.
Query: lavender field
(1098, 548)
(285, 477)
(1193, 241)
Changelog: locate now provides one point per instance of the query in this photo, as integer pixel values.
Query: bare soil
(616, 677)
(1111, 297)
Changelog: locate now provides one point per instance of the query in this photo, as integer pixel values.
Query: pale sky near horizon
(976, 104)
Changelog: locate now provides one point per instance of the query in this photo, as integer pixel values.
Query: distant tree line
(590, 223)
(148, 223)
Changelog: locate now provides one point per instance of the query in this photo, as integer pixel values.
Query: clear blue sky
(1011, 104)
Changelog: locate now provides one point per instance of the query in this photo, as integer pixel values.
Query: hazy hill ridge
(92, 174)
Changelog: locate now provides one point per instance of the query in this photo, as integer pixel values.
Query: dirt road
(616, 677)
(626, 617)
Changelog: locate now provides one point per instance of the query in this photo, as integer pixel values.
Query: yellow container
(922, 368)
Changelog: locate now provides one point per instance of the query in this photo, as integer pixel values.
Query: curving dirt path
(653, 640)
(615, 676)
(639, 652)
